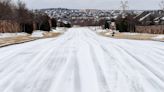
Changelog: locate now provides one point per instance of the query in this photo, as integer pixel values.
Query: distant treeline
(27, 19)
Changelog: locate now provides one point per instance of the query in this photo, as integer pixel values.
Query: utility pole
(124, 6)
(161, 5)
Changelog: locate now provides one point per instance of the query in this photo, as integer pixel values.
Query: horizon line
(99, 9)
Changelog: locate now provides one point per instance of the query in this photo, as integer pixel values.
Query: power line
(161, 5)
(124, 6)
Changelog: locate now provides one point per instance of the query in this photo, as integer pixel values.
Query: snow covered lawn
(8, 35)
(14, 38)
(159, 37)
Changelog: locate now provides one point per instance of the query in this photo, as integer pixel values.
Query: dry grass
(15, 40)
(51, 34)
(139, 36)
(162, 39)
(22, 39)
(135, 37)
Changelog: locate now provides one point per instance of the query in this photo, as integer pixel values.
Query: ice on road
(82, 61)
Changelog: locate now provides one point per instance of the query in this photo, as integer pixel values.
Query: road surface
(82, 61)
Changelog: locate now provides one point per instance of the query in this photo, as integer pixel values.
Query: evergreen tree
(54, 23)
(106, 25)
(68, 25)
(45, 26)
(27, 27)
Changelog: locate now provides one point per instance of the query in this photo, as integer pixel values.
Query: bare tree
(20, 14)
(5, 9)
(21, 11)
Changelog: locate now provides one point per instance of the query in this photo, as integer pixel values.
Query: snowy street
(82, 61)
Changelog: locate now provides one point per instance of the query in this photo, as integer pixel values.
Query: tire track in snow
(141, 62)
(98, 68)
(100, 74)
(81, 61)
(125, 74)
(34, 60)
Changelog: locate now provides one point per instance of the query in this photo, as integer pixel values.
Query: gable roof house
(150, 18)
(150, 22)
(145, 18)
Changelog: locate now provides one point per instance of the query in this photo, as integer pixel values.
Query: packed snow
(82, 61)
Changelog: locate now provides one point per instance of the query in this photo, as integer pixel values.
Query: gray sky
(92, 4)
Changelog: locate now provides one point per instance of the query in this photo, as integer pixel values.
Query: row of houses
(150, 18)
(145, 22)
(150, 22)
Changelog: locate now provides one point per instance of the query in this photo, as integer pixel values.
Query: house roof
(144, 17)
(162, 18)
(141, 15)
(157, 18)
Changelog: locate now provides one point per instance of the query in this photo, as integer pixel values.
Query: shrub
(54, 22)
(68, 25)
(45, 26)
(106, 24)
(27, 27)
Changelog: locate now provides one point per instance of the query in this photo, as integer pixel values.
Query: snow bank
(38, 33)
(127, 33)
(7, 35)
(58, 30)
(110, 32)
(101, 30)
(159, 37)
(94, 27)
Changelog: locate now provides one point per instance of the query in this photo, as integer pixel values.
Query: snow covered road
(82, 61)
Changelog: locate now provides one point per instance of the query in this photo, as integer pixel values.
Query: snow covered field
(82, 61)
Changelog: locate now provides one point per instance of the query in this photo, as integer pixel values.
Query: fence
(154, 29)
(9, 26)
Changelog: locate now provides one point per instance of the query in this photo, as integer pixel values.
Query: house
(150, 22)
(159, 20)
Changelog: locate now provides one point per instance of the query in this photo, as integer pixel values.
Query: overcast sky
(91, 4)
